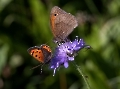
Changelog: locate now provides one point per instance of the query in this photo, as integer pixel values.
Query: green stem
(85, 79)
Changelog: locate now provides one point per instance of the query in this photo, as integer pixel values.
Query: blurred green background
(25, 23)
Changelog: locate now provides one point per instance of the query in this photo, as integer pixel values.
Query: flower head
(66, 52)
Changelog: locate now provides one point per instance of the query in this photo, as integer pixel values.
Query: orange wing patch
(52, 22)
(47, 48)
(36, 52)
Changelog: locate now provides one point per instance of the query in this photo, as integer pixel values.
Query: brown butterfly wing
(62, 23)
(36, 52)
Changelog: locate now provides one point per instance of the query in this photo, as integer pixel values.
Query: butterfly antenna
(35, 67)
(41, 68)
(48, 41)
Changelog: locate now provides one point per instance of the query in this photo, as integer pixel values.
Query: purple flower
(66, 52)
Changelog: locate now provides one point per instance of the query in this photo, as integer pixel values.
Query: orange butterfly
(41, 53)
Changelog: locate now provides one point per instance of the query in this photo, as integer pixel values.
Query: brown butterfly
(62, 23)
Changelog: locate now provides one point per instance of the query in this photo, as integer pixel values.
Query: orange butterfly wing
(47, 52)
(47, 48)
(36, 52)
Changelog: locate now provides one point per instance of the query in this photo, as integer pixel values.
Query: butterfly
(41, 53)
(62, 23)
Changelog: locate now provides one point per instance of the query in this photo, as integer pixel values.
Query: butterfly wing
(62, 23)
(37, 53)
(47, 52)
